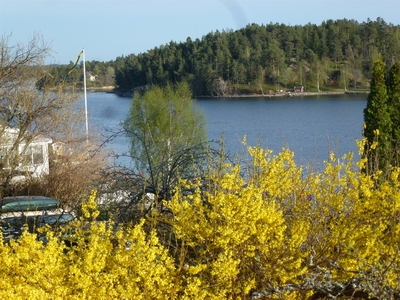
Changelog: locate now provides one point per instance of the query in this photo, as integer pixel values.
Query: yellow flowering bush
(103, 262)
(270, 231)
(235, 232)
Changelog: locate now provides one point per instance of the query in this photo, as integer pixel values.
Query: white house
(91, 76)
(35, 160)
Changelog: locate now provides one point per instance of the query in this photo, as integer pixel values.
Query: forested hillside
(260, 59)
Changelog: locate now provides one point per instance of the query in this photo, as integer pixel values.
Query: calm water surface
(310, 126)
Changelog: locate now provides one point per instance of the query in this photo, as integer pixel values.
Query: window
(37, 154)
(33, 155)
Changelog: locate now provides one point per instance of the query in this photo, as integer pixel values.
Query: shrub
(274, 232)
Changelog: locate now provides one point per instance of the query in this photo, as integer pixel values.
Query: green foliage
(394, 102)
(99, 74)
(257, 55)
(382, 117)
(167, 135)
(240, 57)
(378, 124)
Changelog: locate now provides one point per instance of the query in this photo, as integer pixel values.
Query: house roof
(11, 134)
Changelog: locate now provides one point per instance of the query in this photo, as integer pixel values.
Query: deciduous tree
(35, 104)
(167, 136)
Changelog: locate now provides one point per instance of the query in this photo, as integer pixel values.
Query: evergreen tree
(394, 103)
(273, 47)
(378, 125)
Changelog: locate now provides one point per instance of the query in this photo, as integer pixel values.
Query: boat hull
(34, 204)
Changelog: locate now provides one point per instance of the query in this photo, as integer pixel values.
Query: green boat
(24, 203)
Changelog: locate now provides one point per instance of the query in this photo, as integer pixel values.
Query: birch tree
(167, 136)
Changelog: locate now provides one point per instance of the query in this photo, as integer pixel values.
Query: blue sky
(111, 28)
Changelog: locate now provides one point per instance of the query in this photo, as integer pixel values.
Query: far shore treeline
(257, 59)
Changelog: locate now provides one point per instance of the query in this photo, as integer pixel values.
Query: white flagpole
(84, 90)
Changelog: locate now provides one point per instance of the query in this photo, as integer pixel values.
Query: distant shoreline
(288, 94)
(282, 94)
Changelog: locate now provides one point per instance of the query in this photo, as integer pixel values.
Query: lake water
(310, 126)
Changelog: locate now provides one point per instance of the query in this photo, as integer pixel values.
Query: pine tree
(378, 124)
(394, 104)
